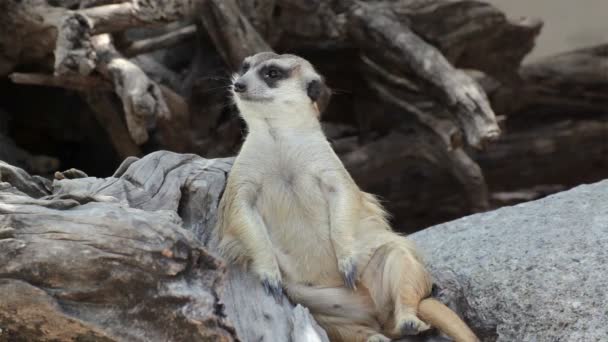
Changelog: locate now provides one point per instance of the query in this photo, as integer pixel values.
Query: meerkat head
(284, 89)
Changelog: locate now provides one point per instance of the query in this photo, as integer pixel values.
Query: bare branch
(74, 82)
(142, 99)
(373, 27)
(469, 175)
(139, 13)
(569, 82)
(233, 35)
(74, 52)
(174, 129)
(159, 42)
(109, 118)
(445, 129)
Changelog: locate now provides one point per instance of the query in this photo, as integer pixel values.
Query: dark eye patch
(271, 74)
(244, 67)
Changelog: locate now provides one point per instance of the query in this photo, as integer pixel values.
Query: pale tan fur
(293, 214)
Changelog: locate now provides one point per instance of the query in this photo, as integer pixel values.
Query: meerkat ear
(319, 93)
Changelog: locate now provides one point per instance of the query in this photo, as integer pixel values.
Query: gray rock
(537, 271)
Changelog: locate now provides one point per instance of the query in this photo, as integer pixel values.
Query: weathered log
(469, 34)
(417, 175)
(109, 117)
(78, 51)
(26, 36)
(173, 127)
(142, 99)
(159, 42)
(140, 276)
(261, 15)
(232, 33)
(174, 131)
(17, 178)
(15, 155)
(546, 153)
(311, 25)
(464, 169)
(445, 128)
(137, 276)
(139, 13)
(569, 84)
(74, 82)
(477, 35)
(376, 28)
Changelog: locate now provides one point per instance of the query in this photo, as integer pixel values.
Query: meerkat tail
(435, 313)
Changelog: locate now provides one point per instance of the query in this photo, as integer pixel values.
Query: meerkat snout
(239, 87)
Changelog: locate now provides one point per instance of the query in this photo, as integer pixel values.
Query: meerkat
(294, 216)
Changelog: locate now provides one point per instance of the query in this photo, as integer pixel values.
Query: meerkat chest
(292, 195)
(287, 170)
(292, 199)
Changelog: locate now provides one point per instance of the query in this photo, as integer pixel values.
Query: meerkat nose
(239, 87)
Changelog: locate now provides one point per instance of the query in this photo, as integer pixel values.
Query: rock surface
(537, 271)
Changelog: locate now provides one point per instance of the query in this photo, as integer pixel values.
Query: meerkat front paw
(348, 269)
(273, 286)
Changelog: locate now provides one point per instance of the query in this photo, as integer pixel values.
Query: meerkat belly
(296, 214)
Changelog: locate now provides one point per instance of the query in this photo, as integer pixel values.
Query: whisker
(338, 91)
(226, 87)
(216, 78)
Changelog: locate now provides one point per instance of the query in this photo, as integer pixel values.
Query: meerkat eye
(244, 68)
(272, 73)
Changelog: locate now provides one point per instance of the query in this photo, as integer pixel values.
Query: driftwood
(84, 45)
(546, 156)
(129, 258)
(162, 69)
(380, 30)
(572, 82)
(105, 111)
(233, 35)
(422, 170)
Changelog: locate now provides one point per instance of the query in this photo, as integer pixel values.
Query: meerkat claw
(274, 289)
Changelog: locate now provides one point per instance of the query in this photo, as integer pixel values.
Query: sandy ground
(569, 24)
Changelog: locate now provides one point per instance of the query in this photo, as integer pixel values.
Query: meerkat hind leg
(397, 280)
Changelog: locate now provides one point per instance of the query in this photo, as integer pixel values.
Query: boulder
(537, 271)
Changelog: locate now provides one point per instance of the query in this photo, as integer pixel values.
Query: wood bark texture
(435, 70)
(129, 258)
